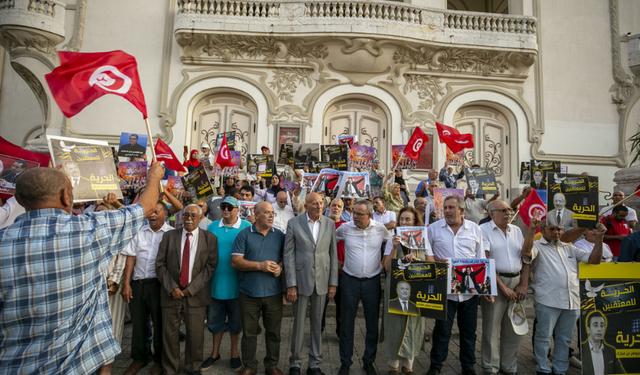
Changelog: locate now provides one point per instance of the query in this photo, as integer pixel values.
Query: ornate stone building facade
(529, 78)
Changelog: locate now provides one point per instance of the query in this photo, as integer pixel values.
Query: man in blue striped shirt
(54, 315)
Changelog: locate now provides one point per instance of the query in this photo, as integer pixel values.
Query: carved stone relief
(285, 81)
(429, 89)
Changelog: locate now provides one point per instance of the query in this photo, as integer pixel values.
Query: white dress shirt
(466, 243)
(587, 246)
(193, 247)
(506, 249)
(283, 215)
(362, 248)
(385, 218)
(597, 358)
(631, 215)
(314, 227)
(144, 246)
(9, 212)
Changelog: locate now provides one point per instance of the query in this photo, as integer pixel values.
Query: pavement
(331, 361)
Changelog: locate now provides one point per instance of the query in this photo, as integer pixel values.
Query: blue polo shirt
(255, 247)
(224, 283)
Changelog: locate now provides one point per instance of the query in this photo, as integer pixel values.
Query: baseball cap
(518, 317)
(265, 148)
(232, 201)
(204, 145)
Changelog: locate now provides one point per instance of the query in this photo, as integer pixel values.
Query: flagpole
(619, 203)
(153, 150)
(515, 214)
(398, 162)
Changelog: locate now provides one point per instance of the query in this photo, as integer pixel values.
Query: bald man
(62, 255)
(311, 274)
(283, 212)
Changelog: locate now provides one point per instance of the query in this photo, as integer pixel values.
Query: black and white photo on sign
(305, 153)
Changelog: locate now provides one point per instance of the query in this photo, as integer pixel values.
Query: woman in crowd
(270, 194)
(393, 198)
(404, 335)
(193, 161)
(404, 193)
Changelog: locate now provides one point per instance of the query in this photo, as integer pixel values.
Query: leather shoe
(433, 371)
(369, 369)
(314, 371)
(246, 371)
(344, 370)
(274, 371)
(135, 367)
(157, 369)
(294, 371)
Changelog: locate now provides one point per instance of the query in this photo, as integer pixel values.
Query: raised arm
(596, 253)
(531, 233)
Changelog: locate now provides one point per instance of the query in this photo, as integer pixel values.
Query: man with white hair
(449, 178)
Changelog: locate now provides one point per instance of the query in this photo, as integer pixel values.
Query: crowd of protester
(71, 272)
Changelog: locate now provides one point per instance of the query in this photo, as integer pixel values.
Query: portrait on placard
(10, 169)
(439, 194)
(400, 160)
(572, 200)
(133, 145)
(305, 153)
(473, 276)
(418, 288)
(355, 185)
(361, 157)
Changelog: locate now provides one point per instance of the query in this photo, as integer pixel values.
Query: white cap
(518, 317)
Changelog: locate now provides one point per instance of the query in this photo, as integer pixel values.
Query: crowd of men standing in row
(230, 272)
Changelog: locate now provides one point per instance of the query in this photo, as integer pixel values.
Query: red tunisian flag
(530, 205)
(458, 142)
(444, 130)
(82, 78)
(164, 153)
(223, 158)
(416, 144)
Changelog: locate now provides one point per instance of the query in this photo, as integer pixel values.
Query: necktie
(184, 271)
(404, 306)
(559, 218)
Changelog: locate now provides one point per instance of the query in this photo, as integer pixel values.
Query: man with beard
(557, 292)
(142, 293)
(632, 216)
(186, 260)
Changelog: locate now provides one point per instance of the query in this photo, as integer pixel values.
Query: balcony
(44, 15)
(380, 20)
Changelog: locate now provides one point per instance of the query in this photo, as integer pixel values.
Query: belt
(515, 274)
(148, 281)
(362, 278)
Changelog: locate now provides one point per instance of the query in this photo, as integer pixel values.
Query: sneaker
(208, 363)
(236, 364)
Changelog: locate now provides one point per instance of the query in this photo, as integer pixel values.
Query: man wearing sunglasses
(224, 311)
(503, 242)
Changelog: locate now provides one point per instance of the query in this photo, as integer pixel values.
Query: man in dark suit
(402, 305)
(468, 281)
(537, 182)
(307, 157)
(186, 261)
(10, 175)
(311, 271)
(132, 149)
(595, 346)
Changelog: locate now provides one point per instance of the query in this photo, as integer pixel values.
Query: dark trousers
(467, 321)
(353, 291)
(336, 299)
(194, 323)
(271, 309)
(145, 301)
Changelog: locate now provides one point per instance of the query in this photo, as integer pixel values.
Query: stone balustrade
(44, 15)
(379, 18)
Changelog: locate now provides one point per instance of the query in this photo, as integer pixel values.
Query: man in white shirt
(143, 291)
(9, 212)
(589, 241)
(363, 239)
(557, 291)
(381, 215)
(503, 243)
(283, 212)
(455, 237)
(632, 216)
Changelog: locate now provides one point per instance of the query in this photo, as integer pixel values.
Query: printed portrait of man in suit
(560, 216)
(597, 356)
(402, 305)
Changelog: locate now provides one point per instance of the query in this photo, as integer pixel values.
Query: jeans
(562, 323)
(467, 322)
(353, 291)
(224, 315)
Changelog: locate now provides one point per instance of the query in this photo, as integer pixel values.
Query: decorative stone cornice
(21, 41)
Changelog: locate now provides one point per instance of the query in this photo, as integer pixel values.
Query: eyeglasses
(227, 207)
(359, 214)
(502, 211)
(270, 213)
(188, 215)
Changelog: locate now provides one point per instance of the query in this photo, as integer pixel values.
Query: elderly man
(311, 274)
(503, 242)
(67, 327)
(589, 241)
(617, 229)
(204, 220)
(455, 237)
(557, 289)
(206, 157)
(143, 292)
(257, 254)
(381, 215)
(449, 178)
(561, 216)
(187, 258)
(632, 216)
(283, 212)
(223, 314)
(363, 239)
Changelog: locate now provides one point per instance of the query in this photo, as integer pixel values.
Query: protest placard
(231, 140)
(481, 180)
(609, 316)
(328, 182)
(538, 170)
(10, 168)
(418, 288)
(572, 200)
(308, 179)
(354, 185)
(197, 185)
(400, 160)
(305, 153)
(439, 194)
(361, 157)
(285, 156)
(472, 276)
(455, 159)
(316, 167)
(89, 165)
(133, 175)
(246, 209)
(133, 145)
(337, 155)
(347, 140)
(412, 237)
(525, 172)
(174, 186)
(228, 171)
(288, 185)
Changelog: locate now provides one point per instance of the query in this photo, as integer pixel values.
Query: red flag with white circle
(223, 158)
(531, 205)
(416, 143)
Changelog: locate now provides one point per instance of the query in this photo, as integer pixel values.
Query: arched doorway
(360, 117)
(224, 112)
(490, 131)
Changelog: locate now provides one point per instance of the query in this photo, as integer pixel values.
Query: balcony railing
(45, 15)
